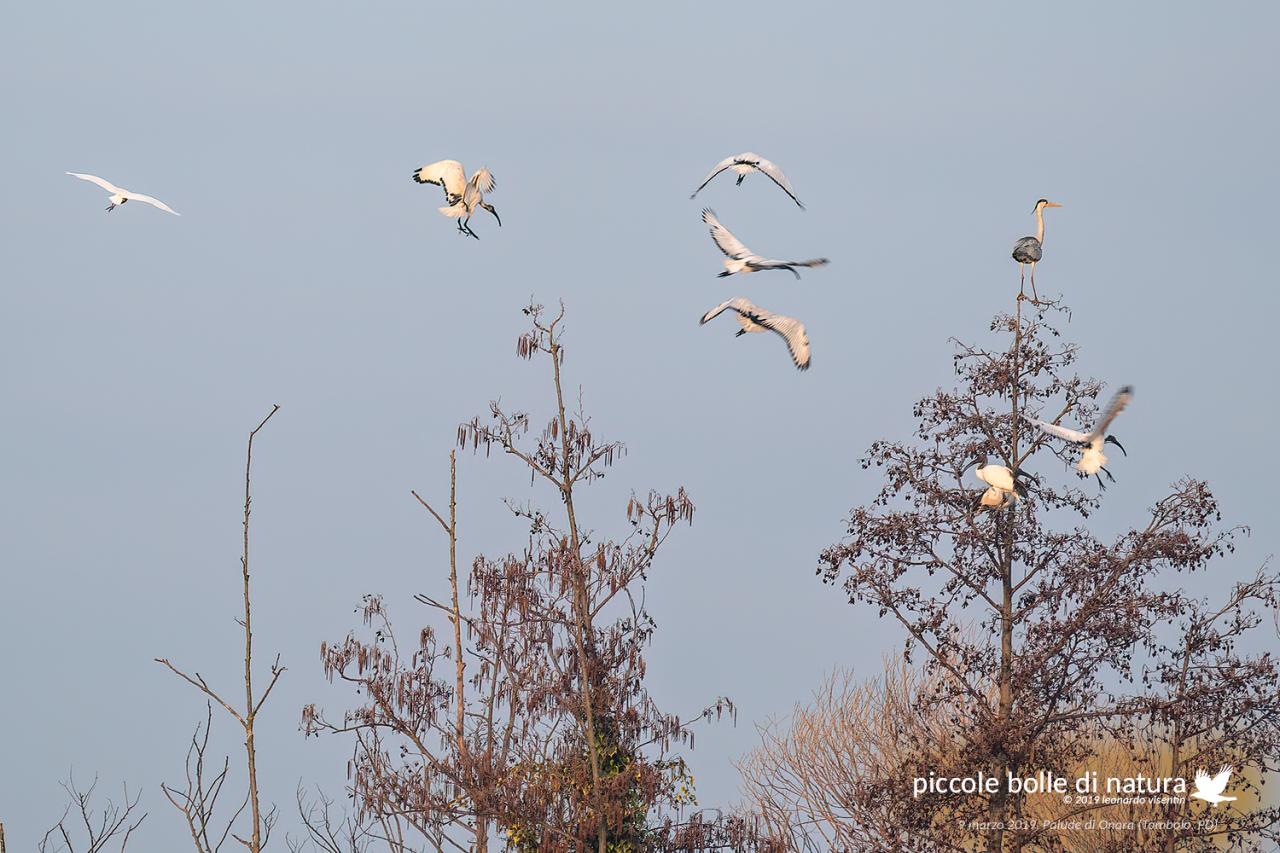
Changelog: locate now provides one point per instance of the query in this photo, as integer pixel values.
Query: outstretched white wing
(1118, 402)
(445, 173)
(483, 180)
(775, 174)
(106, 185)
(719, 167)
(1071, 435)
(724, 238)
(149, 200)
(772, 264)
(1218, 783)
(791, 329)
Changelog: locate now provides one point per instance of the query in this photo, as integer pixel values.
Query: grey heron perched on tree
(1029, 250)
(738, 258)
(119, 195)
(1092, 458)
(746, 163)
(754, 319)
(461, 195)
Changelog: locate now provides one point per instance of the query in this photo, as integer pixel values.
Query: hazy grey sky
(138, 348)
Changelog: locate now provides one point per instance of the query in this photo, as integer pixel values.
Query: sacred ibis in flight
(119, 195)
(754, 319)
(738, 258)
(1092, 459)
(746, 163)
(462, 195)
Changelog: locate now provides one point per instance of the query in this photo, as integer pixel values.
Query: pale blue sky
(137, 349)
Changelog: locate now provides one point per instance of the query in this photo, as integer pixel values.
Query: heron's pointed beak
(1052, 204)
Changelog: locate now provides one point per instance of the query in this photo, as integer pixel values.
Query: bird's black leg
(111, 207)
(739, 181)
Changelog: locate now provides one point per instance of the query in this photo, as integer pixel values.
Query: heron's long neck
(1040, 226)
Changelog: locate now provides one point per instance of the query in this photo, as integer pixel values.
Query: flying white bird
(1210, 788)
(1029, 250)
(753, 319)
(461, 195)
(1004, 485)
(738, 258)
(1092, 459)
(746, 163)
(120, 196)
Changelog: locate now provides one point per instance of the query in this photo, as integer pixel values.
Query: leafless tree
(260, 823)
(532, 720)
(85, 829)
(197, 800)
(345, 833)
(1043, 635)
(818, 778)
(828, 776)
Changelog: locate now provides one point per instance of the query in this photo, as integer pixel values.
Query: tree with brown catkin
(84, 828)
(1042, 640)
(532, 721)
(194, 801)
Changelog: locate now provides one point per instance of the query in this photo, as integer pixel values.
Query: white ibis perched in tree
(754, 319)
(1003, 486)
(120, 195)
(1092, 457)
(738, 258)
(746, 163)
(1029, 250)
(462, 195)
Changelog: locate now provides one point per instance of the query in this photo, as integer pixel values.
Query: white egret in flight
(746, 163)
(738, 258)
(1092, 459)
(461, 195)
(119, 195)
(1029, 250)
(754, 319)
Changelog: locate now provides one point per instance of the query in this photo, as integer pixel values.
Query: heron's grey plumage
(1027, 250)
